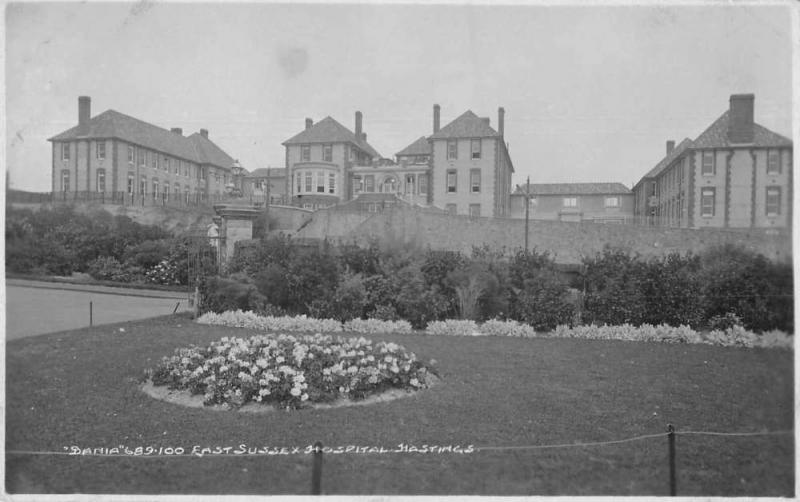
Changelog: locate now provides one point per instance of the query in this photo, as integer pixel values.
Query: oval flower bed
(290, 371)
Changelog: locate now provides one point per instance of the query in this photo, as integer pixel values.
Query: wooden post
(316, 472)
(90, 313)
(672, 480)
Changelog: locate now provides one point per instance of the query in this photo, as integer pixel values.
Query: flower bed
(377, 326)
(290, 372)
(239, 319)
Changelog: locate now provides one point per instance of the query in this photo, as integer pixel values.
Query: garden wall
(569, 242)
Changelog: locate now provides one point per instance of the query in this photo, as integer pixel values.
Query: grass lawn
(80, 388)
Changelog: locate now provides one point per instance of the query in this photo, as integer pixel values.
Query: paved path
(37, 307)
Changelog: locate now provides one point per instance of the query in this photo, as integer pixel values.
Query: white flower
(304, 397)
(414, 382)
(295, 391)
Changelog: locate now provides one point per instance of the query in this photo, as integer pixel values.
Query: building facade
(470, 166)
(320, 162)
(266, 183)
(113, 152)
(736, 174)
(574, 202)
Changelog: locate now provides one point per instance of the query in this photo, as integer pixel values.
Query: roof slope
(666, 161)
(468, 125)
(418, 147)
(574, 189)
(112, 124)
(328, 130)
(716, 136)
(268, 172)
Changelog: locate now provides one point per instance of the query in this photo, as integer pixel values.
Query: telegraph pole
(527, 210)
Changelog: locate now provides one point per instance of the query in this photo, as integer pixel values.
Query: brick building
(576, 202)
(470, 165)
(323, 161)
(736, 174)
(113, 153)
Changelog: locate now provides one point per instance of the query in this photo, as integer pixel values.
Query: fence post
(90, 313)
(316, 472)
(671, 440)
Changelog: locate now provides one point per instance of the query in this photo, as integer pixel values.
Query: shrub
(495, 327)
(147, 254)
(219, 295)
(539, 295)
(377, 326)
(163, 273)
(290, 372)
(453, 327)
(471, 283)
(252, 320)
(108, 268)
(672, 290)
(723, 322)
(613, 289)
(39, 256)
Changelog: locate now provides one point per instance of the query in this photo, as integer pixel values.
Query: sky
(591, 92)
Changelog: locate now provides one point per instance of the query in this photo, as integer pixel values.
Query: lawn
(80, 388)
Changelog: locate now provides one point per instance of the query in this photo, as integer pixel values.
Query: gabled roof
(666, 161)
(328, 130)
(112, 124)
(419, 147)
(209, 152)
(468, 125)
(716, 136)
(574, 189)
(268, 172)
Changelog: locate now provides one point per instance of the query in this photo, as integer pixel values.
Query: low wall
(568, 242)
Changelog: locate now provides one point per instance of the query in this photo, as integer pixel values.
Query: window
(451, 209)
(165, 164)
(305, 153)
(309, 181)
(166, 191)
(327, 153)
(708, 164)
(130, 183)
(320, 182)
(154, 160)
(131, 155)
(475, 147)
(773, 163)
(475, 180)
(155, 188)
(331, 183)
(474, 210)
(177, 189)
(451, 181)
(100, 150)
(64, 151)
(570, 202)
(143, 185)
(202, 173)
(357, 184)
(140, 157)
(369, 183)
(452, 149)
(773, 201)
(352, 153)
(612, 202)
(65, 181)
(101, 180)
(423, 184)
(420, 159)
(298, 183)
(707, 196)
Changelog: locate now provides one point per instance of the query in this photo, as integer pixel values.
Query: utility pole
(527, 211)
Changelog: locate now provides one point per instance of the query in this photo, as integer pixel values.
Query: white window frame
(611, 202)
(570, 202)
(475, 210)
(65, 153)
(100, 180)
(308, 182)
(708, 194)
(475, 154)
(452, 149)
(773, 155)
(474, 185)
(305, 153)
(713, 168)
(131, 154)
(332, 183)
(327, 153)
(65, 180)
(131, 183)
(320, 188)
(422, 184)
(100, 153)
(452, 175)
(776, 205)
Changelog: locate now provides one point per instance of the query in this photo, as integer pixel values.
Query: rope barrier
(186, 453)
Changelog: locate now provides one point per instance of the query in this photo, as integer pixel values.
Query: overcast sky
(591, 93)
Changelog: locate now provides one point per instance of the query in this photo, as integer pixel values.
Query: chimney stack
(177, 130)
(309, 123)
(501, 120)
(204, 133)
(358, 125)
(436, 111)
(84, 112)
(364, 136)
(740, 121)
(670, 146)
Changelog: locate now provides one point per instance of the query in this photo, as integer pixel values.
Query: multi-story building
(736, 174)
(575, 202)
(470, 166)
(113, 152)
(324, 162)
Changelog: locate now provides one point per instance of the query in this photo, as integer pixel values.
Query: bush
(147, 254)
(219, 295)
(108, 268)
(539, 296)
(613, 289)
(672, 290)
(471, 283)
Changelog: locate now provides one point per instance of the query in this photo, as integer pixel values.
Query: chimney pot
(501, 120)
(670, 146)
(309, 123)
(204, 133)
(740, 122)
(436, 112)
(358, 124)
(84, 112)
(177, 130)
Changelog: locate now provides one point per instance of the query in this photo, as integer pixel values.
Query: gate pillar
(236, 224)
